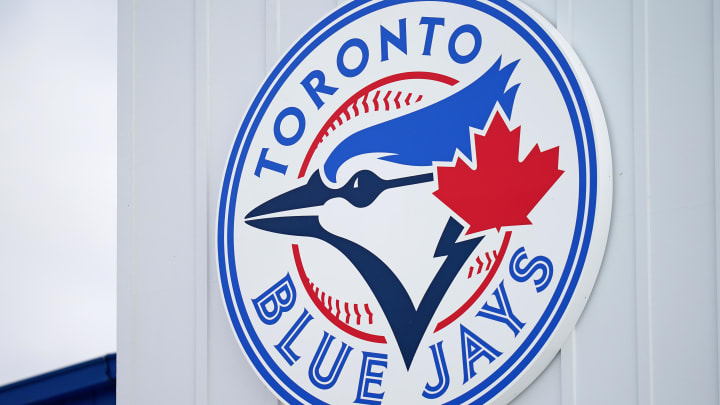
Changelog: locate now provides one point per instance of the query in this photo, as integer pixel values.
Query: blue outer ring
(586, 208)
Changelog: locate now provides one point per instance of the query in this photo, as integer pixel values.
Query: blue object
(90, 382)
(537, 38)
(434, 133)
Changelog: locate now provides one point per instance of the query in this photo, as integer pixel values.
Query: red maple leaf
(501, 191)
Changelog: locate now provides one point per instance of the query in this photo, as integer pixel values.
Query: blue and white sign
(415, 207)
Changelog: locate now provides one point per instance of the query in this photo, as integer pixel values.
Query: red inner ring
(330, 123)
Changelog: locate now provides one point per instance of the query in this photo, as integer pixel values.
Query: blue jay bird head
(401, 153)
(416, 140)
(378, 219)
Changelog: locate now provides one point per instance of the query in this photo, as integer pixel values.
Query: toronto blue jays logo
(415, 207)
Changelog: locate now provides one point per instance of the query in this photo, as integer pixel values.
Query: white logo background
(403, 225)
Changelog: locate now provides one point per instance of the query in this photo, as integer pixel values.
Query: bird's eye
(362, 195)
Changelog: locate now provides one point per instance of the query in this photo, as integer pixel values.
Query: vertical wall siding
(649, 334)
(568, 352)
(681, 201)
(606, 364)
(641, 196)
(236, 69)
(156, 200)
(201, 248)
(716, 138)
(126, 306)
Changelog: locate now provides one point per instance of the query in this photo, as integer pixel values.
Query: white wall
(649, 334)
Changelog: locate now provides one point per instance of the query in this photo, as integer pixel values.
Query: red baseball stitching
(354, 103)
(483, 285)
(368, 95)
(342, 116)
(481, 265)
(342, 308)
(326, 308)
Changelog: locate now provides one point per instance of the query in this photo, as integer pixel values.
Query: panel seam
(643, 243)
(568, 352)
(201, 89)
(716, 140)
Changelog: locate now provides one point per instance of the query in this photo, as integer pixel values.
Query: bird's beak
(362, 189)
(312, 194)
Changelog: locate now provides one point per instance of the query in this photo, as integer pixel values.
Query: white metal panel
(545, 390)
(236, 68)
(125, 230)
(716, 138)
(641, 195)
(156, 242)
(287, 20)
(188, 70)
(605, 336)
(681, 202)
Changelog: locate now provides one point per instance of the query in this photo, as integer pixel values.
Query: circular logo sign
(415, 207)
